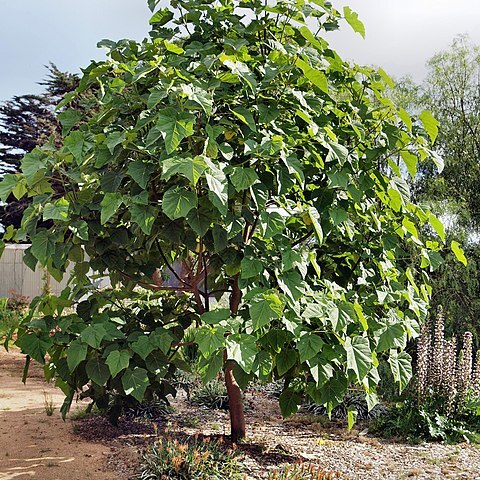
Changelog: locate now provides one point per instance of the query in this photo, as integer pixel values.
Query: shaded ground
(34, 445)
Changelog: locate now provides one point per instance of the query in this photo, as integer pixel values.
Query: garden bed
(272, 441)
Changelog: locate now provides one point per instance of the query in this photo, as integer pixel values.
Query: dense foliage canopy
(234, 159)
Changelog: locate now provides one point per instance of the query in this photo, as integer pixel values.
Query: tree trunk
(235, 403)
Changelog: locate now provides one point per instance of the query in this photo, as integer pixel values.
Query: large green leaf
(43, 246)
(144, 216)
(191, 168)
(458, 251)
(321, 370)
(314, 218)
(411, 161)
(199, 220)
(246, 117)
(76, 353)
(352, 18)
(292, 285)
(309, 346)
(118, 360)
(218, 185)
(157, 363)
(177, 202)
(317, 77)
(289, 402)
(69, 118)
(156, 96)
(173, 48)
(135, 382)
(430, 123)
(113, 140)
(243, 72)
(162, 339)
(273, 223)
(330, 393)
(437, 226)
(215, 316)
(401, 366)
(285, 360)
(140, 172)
(93, 335)
(243, 178)
(78, 144)
(209, 339)
(359, 355)
(174, 126)
(341, 315)
(33, 166)
(201, 97)
(242, 348)
(110, 205)
(162, 16)
(7, 185)
(35, 346)
(57, 210)
(394, 335)
(265, 309)
(250, 267)
(97, 371)
(143, 346)
(211, 366)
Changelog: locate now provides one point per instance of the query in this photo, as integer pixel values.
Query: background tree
(27, 121)
(452, 92)
(235, 144)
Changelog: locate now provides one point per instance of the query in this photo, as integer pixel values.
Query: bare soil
(33, 444)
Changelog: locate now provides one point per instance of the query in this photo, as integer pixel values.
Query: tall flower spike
(438, 342)
(450, 378)
(475, 381)
(464, 368)
(423, 354)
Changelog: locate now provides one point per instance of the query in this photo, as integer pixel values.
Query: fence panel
(16, 276)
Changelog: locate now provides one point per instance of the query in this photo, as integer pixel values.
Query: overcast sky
(401, 34)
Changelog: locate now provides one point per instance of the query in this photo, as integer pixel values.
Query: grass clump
(48, 404)
(213, 395)
(189, 459)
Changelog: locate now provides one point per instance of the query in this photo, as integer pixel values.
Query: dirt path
(34, 445)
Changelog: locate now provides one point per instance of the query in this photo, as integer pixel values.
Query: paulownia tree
(236, 166)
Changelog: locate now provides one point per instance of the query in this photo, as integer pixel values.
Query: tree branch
(169, 266)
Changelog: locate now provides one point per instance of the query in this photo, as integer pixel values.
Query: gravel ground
(272, 441)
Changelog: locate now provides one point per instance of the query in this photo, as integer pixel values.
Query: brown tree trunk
(235, 405)
(235, 401)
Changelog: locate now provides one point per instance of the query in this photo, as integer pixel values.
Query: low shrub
(212, 395)
(152, 410)
(189, 459)
(415, 424)
(302, 471)
(353, 401)
(12, 312)
(17, 302)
